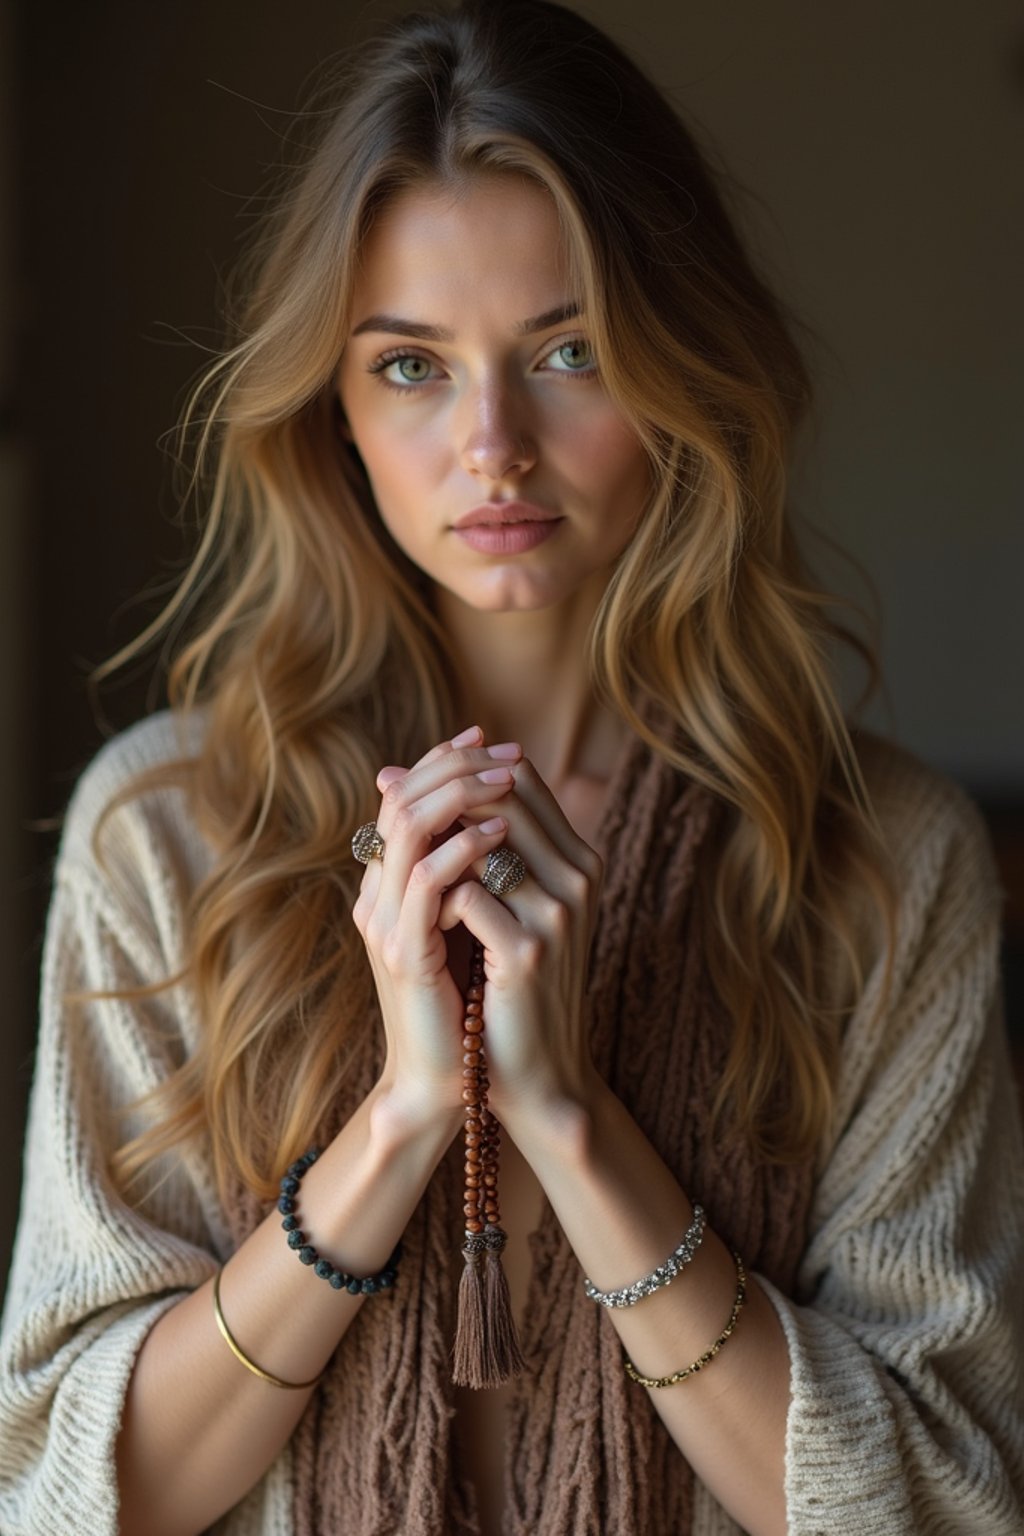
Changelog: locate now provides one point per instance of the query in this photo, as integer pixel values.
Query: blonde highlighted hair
(305, 615)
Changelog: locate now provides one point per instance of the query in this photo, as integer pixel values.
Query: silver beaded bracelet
(631, 1294)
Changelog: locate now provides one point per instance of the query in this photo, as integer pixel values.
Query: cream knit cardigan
(906, 1332)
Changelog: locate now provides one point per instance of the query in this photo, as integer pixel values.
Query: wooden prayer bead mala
(487, 1350)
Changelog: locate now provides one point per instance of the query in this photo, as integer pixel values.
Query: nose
(498, 442)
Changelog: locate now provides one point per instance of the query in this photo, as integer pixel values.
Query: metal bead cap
(367, 843)
(503, 871)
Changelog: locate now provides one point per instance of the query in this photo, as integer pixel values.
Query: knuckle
(577, 885)
(457, 792)
(404, 823)
(422, 875)
(391, 950)
(557, 917)
(393, 796)
(525, 772)
(531, 952)
(375, 933)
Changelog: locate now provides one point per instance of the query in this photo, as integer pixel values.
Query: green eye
(407, 364)
(576, 347)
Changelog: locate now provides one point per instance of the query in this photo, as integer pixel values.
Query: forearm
(195, 1420)
(624, 1212)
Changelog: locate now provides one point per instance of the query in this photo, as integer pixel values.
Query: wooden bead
(481, 1131)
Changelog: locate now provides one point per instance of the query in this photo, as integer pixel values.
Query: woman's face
(454, 404)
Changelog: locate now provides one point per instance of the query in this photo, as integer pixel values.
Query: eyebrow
(398, 326)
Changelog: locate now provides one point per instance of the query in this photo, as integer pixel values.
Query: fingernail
(388, 776)
(506, 749)
(495, 776)
(496, 824)
(465, 738)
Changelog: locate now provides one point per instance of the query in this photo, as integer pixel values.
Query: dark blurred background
(877, 155)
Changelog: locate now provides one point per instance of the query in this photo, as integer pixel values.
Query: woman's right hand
(399, 902)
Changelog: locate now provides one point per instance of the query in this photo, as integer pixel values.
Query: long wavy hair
(304, 616)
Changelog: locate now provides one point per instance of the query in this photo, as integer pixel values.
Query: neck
(523, 677)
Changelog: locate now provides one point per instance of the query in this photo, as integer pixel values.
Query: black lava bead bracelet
(383, 1281)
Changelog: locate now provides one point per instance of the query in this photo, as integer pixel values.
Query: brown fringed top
(586, 1451)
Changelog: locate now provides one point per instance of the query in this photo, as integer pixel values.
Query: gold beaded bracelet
(702, 1360)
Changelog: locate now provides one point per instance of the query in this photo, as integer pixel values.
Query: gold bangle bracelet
(239, 1353)
(709, 1354)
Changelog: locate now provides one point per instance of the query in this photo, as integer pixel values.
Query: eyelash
(399, 354)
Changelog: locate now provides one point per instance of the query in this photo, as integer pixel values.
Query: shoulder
(929, 1010)
(129, 833)
(935, 835)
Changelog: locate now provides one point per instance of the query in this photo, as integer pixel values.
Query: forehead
(494, 243)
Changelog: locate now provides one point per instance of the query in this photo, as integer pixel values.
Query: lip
(507, 538)
(500, 513)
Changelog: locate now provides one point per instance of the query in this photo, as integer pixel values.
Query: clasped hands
(439, 820)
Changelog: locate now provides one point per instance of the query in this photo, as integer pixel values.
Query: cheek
(612, 456)
(399, 460)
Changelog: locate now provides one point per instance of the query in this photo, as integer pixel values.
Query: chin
(516, 597)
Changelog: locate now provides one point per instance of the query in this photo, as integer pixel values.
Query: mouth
(503, 514)
(509, 538)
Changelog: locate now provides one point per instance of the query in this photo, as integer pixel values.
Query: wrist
(558, 1121)
(401, 1113)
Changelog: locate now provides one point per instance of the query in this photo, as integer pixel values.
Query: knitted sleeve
(907, 1335)
(91, 1274)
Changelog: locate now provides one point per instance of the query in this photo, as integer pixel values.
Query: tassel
(471, 1366)
(486, 1351)
(503, 1341)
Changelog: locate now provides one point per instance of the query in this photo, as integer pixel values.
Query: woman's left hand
(536, 944)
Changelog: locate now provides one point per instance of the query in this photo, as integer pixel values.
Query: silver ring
(503, 871)
(367, 843)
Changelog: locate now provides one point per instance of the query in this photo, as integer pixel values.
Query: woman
(506, 717)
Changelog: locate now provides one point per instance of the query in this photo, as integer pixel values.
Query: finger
(445, 762)
(550, 873)
(467, 738)
(486, 917)
(547, 814)
(389, 775)
(410, 826)
(438, 871)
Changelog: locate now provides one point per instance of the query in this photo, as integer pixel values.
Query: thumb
(389, 776)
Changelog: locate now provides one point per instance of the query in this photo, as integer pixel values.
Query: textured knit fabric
(895, 1269)
(571, 1468)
